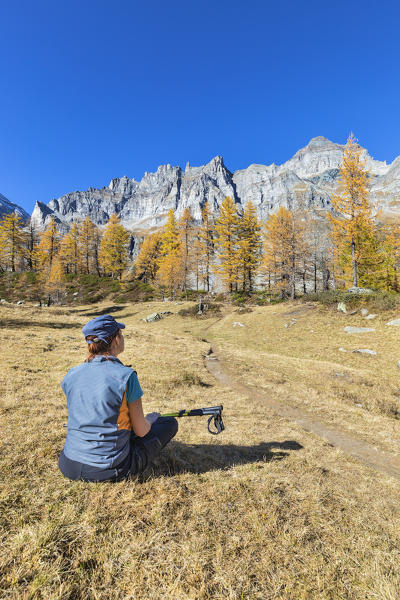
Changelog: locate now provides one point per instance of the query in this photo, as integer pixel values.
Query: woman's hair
(100, 347)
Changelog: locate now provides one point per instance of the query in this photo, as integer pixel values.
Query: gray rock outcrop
(309, 177)
(395, 323)
(143, 205)
(359, 290)
(350, 329)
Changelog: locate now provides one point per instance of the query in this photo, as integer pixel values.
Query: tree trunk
(315, 276)
(354, 262)
(293, 281)
(326, 275)
(333, 274)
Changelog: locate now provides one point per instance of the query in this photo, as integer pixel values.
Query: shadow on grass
(89, 312)
(201, 458)
(17, 323)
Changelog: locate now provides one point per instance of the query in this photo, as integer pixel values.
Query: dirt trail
(359, 449)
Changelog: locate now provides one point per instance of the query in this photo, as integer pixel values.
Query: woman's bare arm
(139, 423)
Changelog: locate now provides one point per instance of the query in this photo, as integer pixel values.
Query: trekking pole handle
(214, 412)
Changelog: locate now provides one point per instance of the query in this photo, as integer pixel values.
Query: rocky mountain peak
(310, 175)
(316, 157)
(318, 141)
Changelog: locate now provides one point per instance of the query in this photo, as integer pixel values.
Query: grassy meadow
(263, 511)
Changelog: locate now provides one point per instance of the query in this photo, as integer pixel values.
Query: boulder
(364, 312)
(238, 324)
(365, 351)
(341, 307)
(369, 317)
(292, 322)
(342, 350)
(2, 301)
(359, 290)
(153, 317)
(395, 322)
(350, 329)
(20, 302)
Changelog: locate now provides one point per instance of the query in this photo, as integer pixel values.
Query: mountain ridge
(7, 207)
(310, 176)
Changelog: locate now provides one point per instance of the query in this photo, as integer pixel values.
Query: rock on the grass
(364, 312)
(369, 317)
(2, 301)
(341, 307)
(342, 350)
(398, 363)
(350, 329)
(365, 351)
(238, 324)
(395, 322)
(359, 290)
(20, 302)
(290, 324)
(153, 317)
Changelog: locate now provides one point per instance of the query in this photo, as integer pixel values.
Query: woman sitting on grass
(108, 437)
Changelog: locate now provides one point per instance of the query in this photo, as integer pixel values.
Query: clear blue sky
(96, 89)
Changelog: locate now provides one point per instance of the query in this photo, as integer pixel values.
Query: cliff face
(144, 204)
(309, 177)
(7, 207)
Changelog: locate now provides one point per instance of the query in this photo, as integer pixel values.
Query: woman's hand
(141, 424)
(152, 417)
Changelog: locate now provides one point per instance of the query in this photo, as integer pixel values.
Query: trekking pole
(215, 413)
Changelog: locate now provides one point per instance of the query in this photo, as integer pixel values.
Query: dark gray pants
(143, 451)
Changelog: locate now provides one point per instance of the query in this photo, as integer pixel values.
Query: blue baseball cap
(102, 327)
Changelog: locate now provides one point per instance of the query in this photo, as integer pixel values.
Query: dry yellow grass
(303, 366)
(263, 511)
